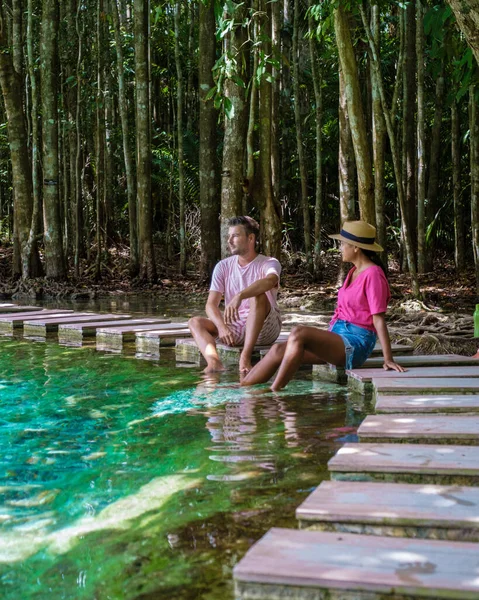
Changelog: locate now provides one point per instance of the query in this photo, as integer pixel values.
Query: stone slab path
(40, 327)
(303, 563)
(408, 463)
(75, 332)
(108, 338)
(425, 385)
(375, 507)
(423, 429)
(427, 403)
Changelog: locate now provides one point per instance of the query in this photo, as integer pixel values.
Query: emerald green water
(130, 479)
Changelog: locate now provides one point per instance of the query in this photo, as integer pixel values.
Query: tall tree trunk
(395, 156)
(474, 161)
(100, 135)
(55, 264)
(276, 32)
(434, 165)
(127, 153)
(12, 91)
(346, 164)
(143, 142)
(459, 246)
(356, 116)
(208, 172)
(235, 131)
(378, 140)
(408, 120)
(30, 253)
(271, 217)
(467, 15)
(421, 139)
(317, 74)
(78, 166)
(299, 142)
(179, 131)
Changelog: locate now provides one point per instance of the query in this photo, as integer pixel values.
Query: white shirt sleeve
(218, 279)
(272, 265)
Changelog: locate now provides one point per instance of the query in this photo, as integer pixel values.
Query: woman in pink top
(356, 324)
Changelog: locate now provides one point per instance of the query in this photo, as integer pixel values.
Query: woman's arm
(383, 335)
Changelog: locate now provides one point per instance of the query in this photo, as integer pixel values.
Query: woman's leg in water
(267, 366)
(305, 344)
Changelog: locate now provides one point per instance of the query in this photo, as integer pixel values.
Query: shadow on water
(128, 479)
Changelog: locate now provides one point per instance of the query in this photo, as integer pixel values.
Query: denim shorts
(358, 342)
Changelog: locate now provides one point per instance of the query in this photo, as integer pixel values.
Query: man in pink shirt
(249, 283)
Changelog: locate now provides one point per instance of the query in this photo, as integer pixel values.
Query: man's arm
(257, 288)
(214, 314)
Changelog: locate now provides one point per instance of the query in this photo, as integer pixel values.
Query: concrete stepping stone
(39, 328)
(360, 380)
(187, 351)
(422, 429)
(307, 565)
(113, 339)
(428, 403)
(6, 308)
(393, 509)
(10, 322)
(406, 463)
(425, 385)
(149, 343)
(73, 334)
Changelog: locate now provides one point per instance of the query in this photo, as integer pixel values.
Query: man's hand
(231, 311)
(226, 335)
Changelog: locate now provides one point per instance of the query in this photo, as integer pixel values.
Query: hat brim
(373, 247)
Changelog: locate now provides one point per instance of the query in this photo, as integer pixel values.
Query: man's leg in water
(259, 308)
(205, 333)
(303, 342)
(267, 366)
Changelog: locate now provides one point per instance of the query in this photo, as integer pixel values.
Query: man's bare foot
(214, 367)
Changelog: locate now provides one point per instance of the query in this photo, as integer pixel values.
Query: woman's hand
(390, 365)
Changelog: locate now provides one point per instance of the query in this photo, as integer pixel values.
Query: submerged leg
(325, 346)
(204, 333)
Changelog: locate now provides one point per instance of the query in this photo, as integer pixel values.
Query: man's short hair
(249, 224)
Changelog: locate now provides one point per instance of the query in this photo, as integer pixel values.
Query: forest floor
(440, 323)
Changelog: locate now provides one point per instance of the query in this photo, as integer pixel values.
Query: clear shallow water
(122, 478)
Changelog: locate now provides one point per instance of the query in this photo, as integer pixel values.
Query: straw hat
(360, 234)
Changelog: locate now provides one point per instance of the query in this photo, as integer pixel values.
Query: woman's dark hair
(374, 257)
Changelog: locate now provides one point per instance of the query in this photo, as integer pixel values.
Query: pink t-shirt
(366, 296)
(229, 278)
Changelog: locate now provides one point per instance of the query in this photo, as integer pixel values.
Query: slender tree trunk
(209, 184)
(12, 91)
(395, 156)
(421, 139)
(474, 159)
(271, 218)
(143, 143)
(299, 141)
(459, 246)
(346, 164)
(55, 264)
(127, 153)
(235, 131)
(356, 116)
(78, 166)
(276, 31)
(100, 135)
(408, 120)
(317, 74)
(434, 166)
(378, 141)
(179, 125)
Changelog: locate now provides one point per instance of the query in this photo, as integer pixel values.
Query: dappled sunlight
(118, 515)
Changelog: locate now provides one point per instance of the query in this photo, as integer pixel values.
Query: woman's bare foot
(214, 367)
